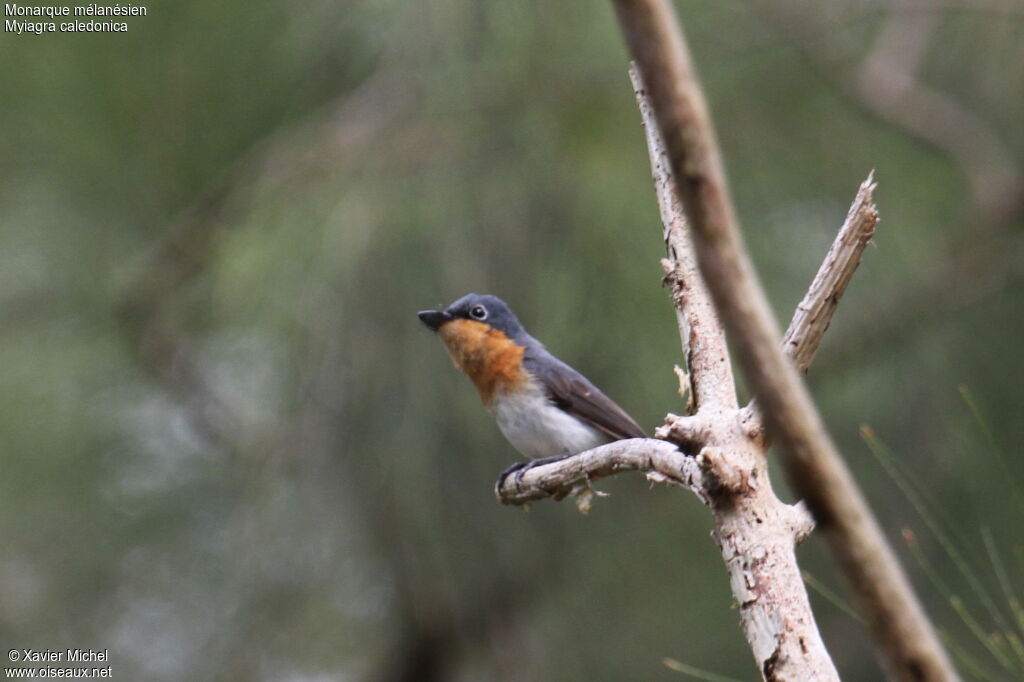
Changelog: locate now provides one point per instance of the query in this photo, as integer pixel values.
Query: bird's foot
(520, 468)
(507, 472)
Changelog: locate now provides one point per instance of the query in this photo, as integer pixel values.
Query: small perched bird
(545, 408)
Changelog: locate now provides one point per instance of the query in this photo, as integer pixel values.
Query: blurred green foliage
(230, 452)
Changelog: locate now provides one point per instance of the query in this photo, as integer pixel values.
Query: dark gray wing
(573, 392)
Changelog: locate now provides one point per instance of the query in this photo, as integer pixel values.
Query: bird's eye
(478, 312)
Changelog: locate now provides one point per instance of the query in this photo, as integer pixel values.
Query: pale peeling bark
(660, 460)
(814, 313)
(711, 382)
(718, 451)
(880, 588)
(756, 532)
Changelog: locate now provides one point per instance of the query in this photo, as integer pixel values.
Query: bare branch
(707, 354)
(660, 460)
(756, 532)
(883, 593)
(813, 315)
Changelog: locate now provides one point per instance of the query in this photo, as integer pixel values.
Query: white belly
(536, 428)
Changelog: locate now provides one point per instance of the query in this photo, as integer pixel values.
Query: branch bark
(723, 452)
(718, 469)
(710, 378)
(722, 448)
(660, 460)
(883, 593)
(814, 313)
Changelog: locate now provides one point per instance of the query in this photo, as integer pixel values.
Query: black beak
(433, 319)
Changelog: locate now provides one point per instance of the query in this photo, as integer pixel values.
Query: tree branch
(660, 460)
(750, 521)
(755, 531)
(701, 333)
(814, 313)
(882, 591)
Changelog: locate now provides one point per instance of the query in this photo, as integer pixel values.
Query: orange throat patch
(487, 356)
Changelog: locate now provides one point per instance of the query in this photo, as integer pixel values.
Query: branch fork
(755, 531)
(711, 275)
(717, 449)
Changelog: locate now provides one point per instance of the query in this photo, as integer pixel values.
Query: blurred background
(230, 451)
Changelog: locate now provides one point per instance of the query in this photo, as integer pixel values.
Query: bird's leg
(520, 468)
(505, 474)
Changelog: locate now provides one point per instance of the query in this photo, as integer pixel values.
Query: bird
(545, 409)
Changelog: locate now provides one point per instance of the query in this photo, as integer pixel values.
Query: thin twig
(814, 314)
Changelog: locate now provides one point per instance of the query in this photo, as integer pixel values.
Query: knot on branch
(724, 478)
(799, 521)
(690, 432)
(675, 279)
(752, 425)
